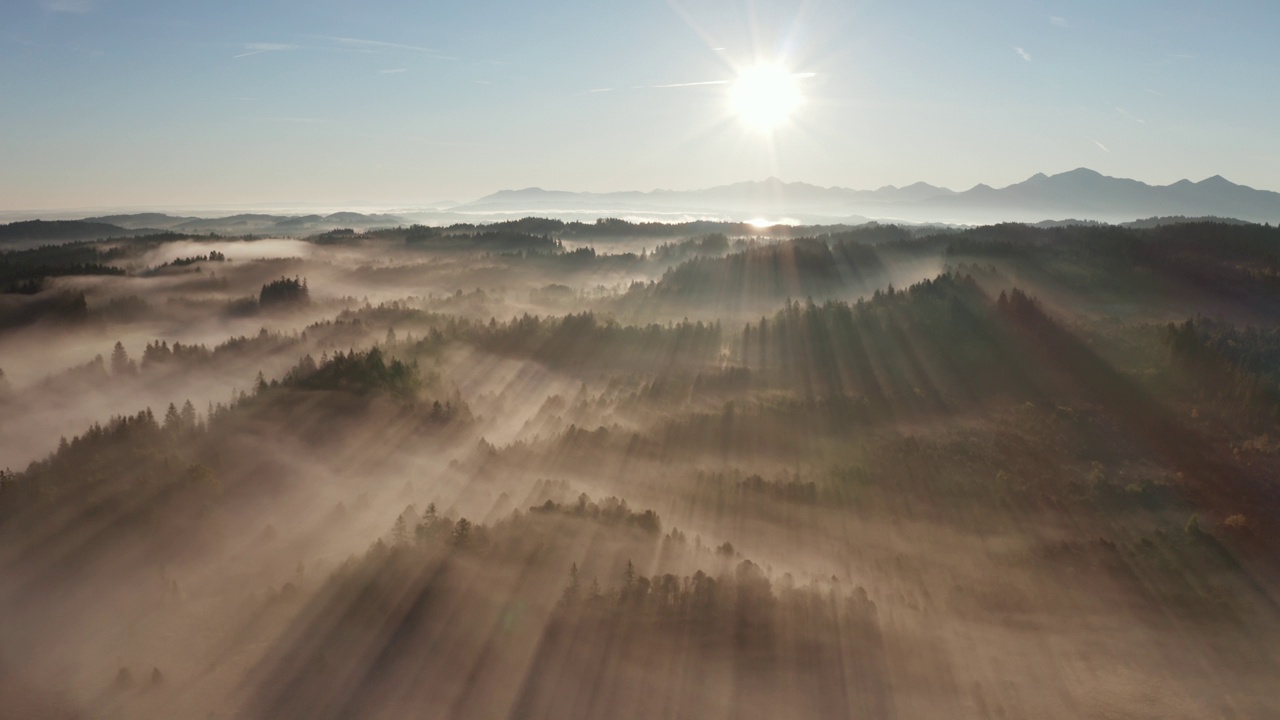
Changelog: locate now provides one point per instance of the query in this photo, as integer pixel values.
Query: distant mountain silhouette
(1082, 193)
(59, 231)
(260, 224)
(142, 221)
(123, 226)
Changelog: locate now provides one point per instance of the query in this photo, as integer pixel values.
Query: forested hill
(506, 471)
(60, 231)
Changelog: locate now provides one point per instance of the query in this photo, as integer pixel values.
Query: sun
(765, 96)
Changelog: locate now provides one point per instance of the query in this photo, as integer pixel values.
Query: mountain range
(1078, 195)
(1082, 193)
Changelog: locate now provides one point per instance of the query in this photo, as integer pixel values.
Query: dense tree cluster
(609, 511)
(1234, 367)
(927, 345)
(355, 371)
(284, 292)
(24, 271)
(160, 353)
(211, 256)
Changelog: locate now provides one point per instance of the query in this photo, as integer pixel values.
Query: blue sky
(137, 103)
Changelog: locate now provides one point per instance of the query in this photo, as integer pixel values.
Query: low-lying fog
(503, 471)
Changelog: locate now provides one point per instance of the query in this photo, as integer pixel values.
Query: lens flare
(765, 96)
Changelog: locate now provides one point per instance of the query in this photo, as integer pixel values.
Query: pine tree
(188, 416)
(120, 363)
(461, 532)
(172, 421)
(571, 590)
(428, 523)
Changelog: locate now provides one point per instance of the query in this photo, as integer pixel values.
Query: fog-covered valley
(550, 469)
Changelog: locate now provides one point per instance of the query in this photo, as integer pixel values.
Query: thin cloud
(1129, 115)
(680, 85)
(1022, 53)
(67, 6)
(801, 75)
(1104, 147)
(259, 48)
(343, 44)
(362, 44)
(390, 71)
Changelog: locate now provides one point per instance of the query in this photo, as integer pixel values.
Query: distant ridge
(58, 231)
(121, 226)
(1081, 193)
(1076, 196)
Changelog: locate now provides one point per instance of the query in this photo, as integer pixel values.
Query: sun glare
(765, 96)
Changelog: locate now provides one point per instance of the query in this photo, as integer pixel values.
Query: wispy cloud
(1104, 147)
(686, 84)
(701, 83)
(1022, 53)
(342, 44)
(67, 6)
(1059, 21)
(257, 48)
(1126, 114)
(362, 44)
(391, 71)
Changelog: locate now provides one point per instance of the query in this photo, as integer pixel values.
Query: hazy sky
(146, 103)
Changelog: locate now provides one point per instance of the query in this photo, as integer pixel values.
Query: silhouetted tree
(172, 420)
(461, 533)
(188, 416)
(400, 531)
(120, 362)
(284, 291)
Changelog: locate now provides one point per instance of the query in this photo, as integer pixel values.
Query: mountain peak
(1217, 180)
(1081, 173)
